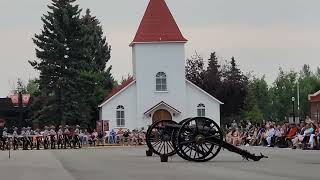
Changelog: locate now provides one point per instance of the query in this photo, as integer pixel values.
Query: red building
(314, 100)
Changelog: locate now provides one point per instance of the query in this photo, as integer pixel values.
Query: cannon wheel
(194, 139)
(159, 138)
(174, 140)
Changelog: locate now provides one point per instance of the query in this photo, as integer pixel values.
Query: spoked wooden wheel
(199, 139)
(159, 138)
(174, 140)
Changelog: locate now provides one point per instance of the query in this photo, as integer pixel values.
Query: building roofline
(116, 94)
(159, 104)
(197, 87)
(156, 42)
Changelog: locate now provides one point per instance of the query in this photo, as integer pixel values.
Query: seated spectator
(234, 124)
(229, 136)
(120, 135)
(311, 139)
(85, 137)
(126, 137)
(142, 136)
(112, 137)
(291, 134)
(305, 131)
(317, 138)
(264, 135)
(93, 138)
(243, 138)
(100, 138)
(278, 131)
(134, 137)
(261, 135)
(270, 134)
(301, 128)
(236, 137)
(254, 137)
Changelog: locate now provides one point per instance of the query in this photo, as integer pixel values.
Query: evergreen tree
(213, 75)
(235, 90)
(258, 102)
(72, 55)
(283, 90)
(33, 87)
(58, 53)
(195, 70)
(95, 77)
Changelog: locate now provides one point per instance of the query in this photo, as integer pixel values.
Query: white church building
(158, 89)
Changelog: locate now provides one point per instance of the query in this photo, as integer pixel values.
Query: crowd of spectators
(305, 135)
(119, 136)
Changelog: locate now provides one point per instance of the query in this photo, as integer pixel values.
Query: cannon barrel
(244, 153)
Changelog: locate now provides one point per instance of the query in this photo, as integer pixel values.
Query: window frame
(120, 116)
(201, 110)
(161, 82)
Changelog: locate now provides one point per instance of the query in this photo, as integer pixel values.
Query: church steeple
(158, 25)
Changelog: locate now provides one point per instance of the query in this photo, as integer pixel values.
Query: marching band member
(46, 137)
(66, 136)
(76, 139)
(28, 138)
(53, 134)
(23, 135)
(4, 138)
(60, 137)
(15, 138)
(38, 138)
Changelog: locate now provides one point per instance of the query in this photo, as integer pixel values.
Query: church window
(161, 81)
(201, 110)
(120, 116)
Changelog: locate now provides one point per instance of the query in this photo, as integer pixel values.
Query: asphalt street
(122, 163)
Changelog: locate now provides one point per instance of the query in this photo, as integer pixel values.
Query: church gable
(201, 91)
(117, 90)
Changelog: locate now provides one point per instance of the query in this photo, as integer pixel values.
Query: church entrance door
(161, 114)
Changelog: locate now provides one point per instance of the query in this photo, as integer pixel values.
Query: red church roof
(158, 25)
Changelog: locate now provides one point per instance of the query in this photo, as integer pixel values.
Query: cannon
(198, 139)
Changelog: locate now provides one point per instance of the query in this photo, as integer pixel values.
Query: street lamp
(294, 116)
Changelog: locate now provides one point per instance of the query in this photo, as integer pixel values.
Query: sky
(261, 35)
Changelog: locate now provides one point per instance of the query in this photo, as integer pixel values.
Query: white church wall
(196, 97)
(151, 58)
(126, 98)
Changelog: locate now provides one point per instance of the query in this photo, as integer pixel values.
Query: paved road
(122, 163)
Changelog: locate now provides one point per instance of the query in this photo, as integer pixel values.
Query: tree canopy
(72, 57)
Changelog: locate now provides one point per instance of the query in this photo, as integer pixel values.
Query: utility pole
(294, 118)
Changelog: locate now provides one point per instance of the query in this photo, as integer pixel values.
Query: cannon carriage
(196, 139)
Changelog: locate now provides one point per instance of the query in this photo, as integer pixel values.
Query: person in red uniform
(291, 134)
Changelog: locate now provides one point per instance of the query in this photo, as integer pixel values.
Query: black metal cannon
(196, 139)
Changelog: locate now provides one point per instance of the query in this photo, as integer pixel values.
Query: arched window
(120, 116)
(161, 81)
(201, 110)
